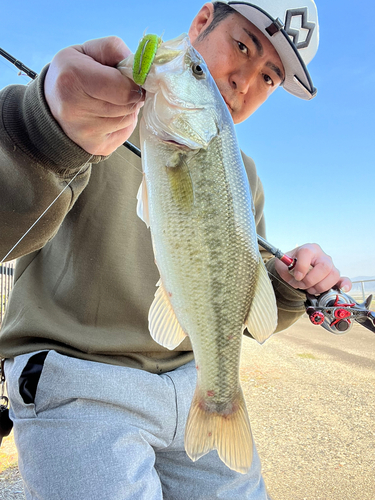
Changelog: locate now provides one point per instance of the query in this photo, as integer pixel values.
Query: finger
(344, 284)
(106, 135)
(283, 271)
(99, 81)
(321, 271)
(108, 51)
(104, 109)
(325, 284)
(303, 258)
(110, 85)
(72, 74)
(115, 140)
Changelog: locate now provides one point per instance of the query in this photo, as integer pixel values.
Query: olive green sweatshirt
(85, 275)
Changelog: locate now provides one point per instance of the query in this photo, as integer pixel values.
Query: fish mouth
(172, 142)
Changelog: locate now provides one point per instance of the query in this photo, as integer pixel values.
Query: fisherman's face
(242, 61)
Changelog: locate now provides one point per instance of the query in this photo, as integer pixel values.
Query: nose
(244, 78)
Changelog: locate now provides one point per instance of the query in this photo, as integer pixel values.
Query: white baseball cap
(292, 28)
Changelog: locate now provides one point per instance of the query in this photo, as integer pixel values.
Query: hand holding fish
(94, 104)
(314, 270)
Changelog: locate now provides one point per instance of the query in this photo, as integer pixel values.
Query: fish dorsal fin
(262, 319)
(162, 322)
(142, 205)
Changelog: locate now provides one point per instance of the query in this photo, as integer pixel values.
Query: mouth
(228, 105)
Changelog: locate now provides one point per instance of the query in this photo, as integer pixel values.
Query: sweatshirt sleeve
(37, 161)
(290, 302)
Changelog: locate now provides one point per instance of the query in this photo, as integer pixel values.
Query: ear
(201, 21)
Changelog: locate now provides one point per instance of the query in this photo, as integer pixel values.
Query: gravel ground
(11, 485)
(311, 402)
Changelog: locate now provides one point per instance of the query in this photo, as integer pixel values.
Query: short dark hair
(221, 12)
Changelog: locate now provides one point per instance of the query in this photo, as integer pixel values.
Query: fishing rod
(18, 64)
(334, 310)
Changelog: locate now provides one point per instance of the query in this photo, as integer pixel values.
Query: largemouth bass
(196, 199)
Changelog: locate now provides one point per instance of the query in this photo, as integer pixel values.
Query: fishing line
(122, 157)
(31, 74)
(69, 183)
(286, 284)
(18, 73)
(46, 210)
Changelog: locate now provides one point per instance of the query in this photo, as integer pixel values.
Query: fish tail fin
(228, 432)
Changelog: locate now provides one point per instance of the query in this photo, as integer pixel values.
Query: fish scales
(211, 273)
(195, 197)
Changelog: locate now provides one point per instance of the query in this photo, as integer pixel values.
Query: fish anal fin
(262, 318)
(142, 205)
(229, 433)
(162, 321)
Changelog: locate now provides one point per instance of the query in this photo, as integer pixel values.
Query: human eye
(243, 48)
(268, 80)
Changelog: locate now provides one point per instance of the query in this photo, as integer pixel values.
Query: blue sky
(315, 158)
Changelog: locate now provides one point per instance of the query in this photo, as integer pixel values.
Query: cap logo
(304, 25)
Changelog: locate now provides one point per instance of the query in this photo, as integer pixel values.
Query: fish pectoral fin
(262, 319)
(162, 321)
(180, 183)
(229, 433)
(142, 204)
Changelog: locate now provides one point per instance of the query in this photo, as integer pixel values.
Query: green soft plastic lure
(144, 57)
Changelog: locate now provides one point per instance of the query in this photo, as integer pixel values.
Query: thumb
(108, 51)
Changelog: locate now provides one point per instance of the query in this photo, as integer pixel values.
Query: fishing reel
(336, 311)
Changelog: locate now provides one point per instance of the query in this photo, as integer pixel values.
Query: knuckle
(327, 266)
(311, 247)
(319, 288)
(116, 41)
(66, 83)
(308, 281)
(313, 250)
(116, 46)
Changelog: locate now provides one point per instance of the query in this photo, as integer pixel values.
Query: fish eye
(198, 70)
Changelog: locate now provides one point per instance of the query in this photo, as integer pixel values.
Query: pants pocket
(29, 378)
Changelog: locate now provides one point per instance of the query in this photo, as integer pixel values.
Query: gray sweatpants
(106, 432)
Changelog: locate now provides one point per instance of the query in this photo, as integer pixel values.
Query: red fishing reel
(333, 310)
(336, 311)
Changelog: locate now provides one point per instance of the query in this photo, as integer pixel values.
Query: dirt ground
(311, 401)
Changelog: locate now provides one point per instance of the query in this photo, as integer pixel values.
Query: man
(98, 407)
